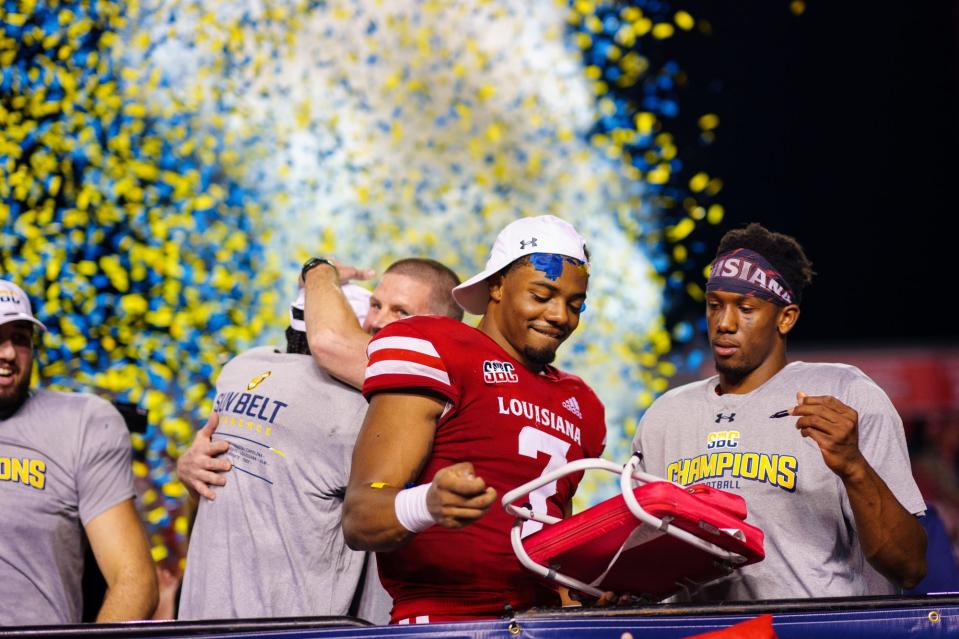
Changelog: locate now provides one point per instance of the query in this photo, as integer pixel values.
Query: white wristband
(411, 509)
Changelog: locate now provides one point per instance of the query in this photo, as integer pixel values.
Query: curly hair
(782, 251)
(296, 341)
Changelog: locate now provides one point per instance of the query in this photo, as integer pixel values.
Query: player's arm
(892, 539)
(337, 342)
(202, 464)
(391, 451)
(120, 547)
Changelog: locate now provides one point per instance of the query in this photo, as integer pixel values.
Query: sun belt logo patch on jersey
(259, 379)
(495, 372)
(573, 406)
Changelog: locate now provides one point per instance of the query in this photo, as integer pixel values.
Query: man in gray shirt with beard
(816, 450)
(65, 472)
(273, 463)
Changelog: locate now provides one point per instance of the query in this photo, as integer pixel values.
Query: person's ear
(496, 283)
(787, 318)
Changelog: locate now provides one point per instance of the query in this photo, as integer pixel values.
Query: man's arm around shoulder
(337, 342)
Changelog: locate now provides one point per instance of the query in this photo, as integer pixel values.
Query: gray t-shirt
(64, 459)
(748, 445)
(271, 544)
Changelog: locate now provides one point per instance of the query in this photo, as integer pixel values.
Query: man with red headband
(817, 450)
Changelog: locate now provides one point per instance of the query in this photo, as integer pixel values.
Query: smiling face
(747, 336)
(532, 311)
(16, 364)
(397, 296)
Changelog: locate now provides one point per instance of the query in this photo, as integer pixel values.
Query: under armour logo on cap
(521, 238)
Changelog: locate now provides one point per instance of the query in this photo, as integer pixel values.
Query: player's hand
(202, 465)
(345, 272)
(348, 272)
(834, 427)
(457, 497)
(168, 583)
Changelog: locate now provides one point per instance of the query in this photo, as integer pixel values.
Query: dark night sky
(841, 126)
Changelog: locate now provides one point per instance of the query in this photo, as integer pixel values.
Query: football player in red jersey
(459, 415)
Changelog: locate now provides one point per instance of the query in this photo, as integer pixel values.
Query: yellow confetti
(684, 21)
(708, 122)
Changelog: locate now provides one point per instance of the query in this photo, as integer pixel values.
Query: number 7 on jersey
(533, 441)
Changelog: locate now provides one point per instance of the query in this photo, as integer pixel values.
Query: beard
(734, 373)
(13, 398)
(539, 356)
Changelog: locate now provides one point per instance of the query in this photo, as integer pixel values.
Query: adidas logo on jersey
(573, 406)
(499, 373)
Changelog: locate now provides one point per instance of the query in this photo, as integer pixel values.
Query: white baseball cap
(15, 305)
(357, 296)
(525, 236)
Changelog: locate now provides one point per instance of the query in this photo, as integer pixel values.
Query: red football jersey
(512, 424)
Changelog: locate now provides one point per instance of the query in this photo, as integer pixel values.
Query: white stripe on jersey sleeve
(414, 344)
(401, 367)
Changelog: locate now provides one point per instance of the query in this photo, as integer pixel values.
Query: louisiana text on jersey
(539, 415)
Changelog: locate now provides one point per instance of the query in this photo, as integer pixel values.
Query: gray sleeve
(104, 470)
(883, 442)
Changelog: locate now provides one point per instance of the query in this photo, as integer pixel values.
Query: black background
(840, 126)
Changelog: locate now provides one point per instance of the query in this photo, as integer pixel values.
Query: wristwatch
(316, 261)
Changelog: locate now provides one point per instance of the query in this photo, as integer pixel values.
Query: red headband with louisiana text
(748, 273)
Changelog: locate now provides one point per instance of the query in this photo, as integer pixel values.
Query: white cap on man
(15, 305)
(357, 296)
(525, 236)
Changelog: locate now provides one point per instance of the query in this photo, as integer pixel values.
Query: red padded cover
(584, 545)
